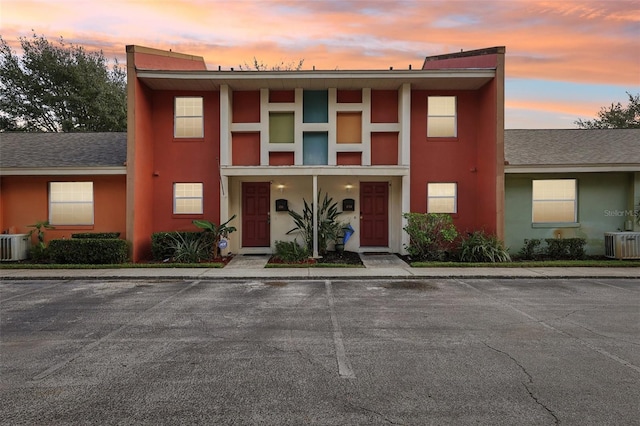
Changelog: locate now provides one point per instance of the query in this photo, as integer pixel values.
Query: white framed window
(554, 201)
(188, 121)
(442, 197)
(71, 203)
(187, 198)
(441, 117)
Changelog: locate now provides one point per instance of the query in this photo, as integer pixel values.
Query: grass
(109, 266)
(589, 263)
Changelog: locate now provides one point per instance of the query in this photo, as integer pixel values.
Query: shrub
(480, 247)
(163, 244)
(565, 248)
(191, 248)
(99, 235)
(531, 249)
(291, 251)
(88, 251)
(430, 235)
(329, 229)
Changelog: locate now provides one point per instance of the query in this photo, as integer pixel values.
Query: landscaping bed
(343, 259)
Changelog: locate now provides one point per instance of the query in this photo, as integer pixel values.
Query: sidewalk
(376, 267)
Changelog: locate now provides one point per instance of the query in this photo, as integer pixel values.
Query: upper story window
(442, 197)
(187, 198)
(71, 203)
(554, 201)
(441, 117)
(189, 122)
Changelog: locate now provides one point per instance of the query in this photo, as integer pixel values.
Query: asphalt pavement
(274, 351)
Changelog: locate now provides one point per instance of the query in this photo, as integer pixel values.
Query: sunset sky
(565, 59)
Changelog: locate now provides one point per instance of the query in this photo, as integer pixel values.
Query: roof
(538, 149)
(91, 153)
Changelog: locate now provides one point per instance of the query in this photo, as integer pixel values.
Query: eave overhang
(459, 79)
(62, 171)
(314, 171)
(571, 168)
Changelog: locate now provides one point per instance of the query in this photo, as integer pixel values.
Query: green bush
(554, 249)
(291, 251)
(565, 248)
(480, 247)
(93, 251)
(430, 235)
(531, 249)
(163, 244)
(99, 235)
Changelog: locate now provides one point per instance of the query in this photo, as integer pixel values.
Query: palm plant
(328, 227)
(219, 232)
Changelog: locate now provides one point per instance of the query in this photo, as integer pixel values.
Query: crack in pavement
(526, 386)
(594, 348)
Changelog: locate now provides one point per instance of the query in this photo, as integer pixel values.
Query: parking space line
(33, 291)
(344, 366)
(557, 330)
(92, 345)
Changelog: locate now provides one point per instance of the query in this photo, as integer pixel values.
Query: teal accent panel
(603, 202)
(315, 106)
(315, 148)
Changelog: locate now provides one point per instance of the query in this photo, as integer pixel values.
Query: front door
(374, 214)
(256, 204)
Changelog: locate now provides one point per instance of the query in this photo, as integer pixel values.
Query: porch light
(348, 187)
(281, 187)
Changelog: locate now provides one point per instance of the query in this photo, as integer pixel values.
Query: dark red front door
(255, 214)
(374, 214)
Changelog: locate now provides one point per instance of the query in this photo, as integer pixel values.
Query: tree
(282, 66)
(60, 87)
(616, 116)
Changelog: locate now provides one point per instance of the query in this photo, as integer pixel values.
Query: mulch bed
(331, 257)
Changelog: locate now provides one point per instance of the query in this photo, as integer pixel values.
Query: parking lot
(329, 352)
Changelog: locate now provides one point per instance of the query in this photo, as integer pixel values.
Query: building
(76, 181)
(210, 144)
(566, 183)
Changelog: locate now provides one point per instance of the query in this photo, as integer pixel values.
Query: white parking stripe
(344, 367)
(92, 345)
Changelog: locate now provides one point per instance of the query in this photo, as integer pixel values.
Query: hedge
(100, 235)
(95, 251)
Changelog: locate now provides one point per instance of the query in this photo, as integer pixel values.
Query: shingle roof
(51, 150)
(548, 147)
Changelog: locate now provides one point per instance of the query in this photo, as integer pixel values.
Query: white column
(315, 216)
(225, 122)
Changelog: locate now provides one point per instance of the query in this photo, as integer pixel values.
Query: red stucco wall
(462, 160)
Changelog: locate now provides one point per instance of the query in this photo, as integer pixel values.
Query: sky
(565, 59)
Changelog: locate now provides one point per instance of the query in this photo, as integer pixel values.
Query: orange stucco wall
(25, 200)
(464, 159)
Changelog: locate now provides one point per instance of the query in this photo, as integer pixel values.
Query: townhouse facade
(214, 144)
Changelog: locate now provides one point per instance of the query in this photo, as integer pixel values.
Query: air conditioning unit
(622, 245)
(14, 247)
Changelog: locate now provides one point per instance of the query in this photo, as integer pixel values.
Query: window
(187, 198)
(441, 118)
(442, 198)
(554, 200)
(71, 203)
(188, 118)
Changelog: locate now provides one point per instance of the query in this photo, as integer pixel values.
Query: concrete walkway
(376, 266)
